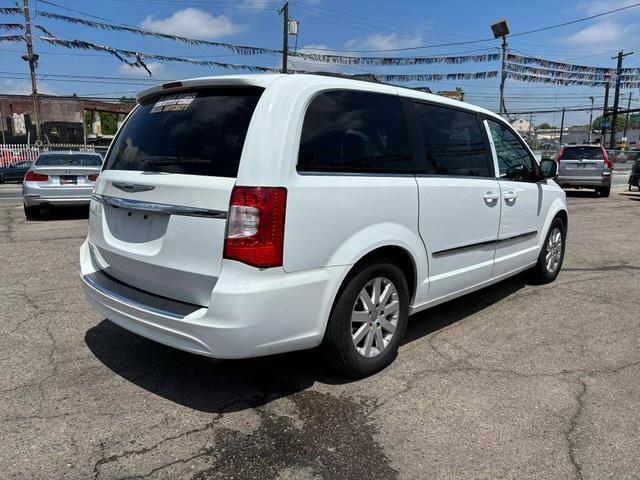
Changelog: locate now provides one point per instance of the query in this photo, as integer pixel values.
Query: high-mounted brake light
(32, 176)
(171, 85)
(255, 229)
(605, 157)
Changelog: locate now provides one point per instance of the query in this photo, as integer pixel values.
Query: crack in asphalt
(571, 434)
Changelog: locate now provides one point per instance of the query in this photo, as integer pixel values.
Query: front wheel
(552, 253)
(368, 321)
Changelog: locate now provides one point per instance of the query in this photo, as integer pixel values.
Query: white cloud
(257, 4)
(594, 7)
(23, 87)
(607, 32)
(157, 69)
(193, 22)
(378, 41)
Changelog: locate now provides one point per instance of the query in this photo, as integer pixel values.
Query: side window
(351, 131)
(453, 142)
(514, 160)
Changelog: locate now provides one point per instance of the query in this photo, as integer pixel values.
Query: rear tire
(32, 213)
(551, 254)
(368, 320)
(603, 191)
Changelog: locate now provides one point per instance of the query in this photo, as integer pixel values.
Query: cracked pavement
(514, 381)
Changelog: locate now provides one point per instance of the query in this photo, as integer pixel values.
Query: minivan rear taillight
(559, 156)
(605, 157)
(92, 178)
(32, 176)
(255, 228)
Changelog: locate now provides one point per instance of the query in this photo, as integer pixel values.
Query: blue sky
(331, 24)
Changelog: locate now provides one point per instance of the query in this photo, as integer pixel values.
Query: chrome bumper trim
(153, 207)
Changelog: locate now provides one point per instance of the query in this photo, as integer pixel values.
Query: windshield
(582, 153)
(195, 133)
(69, 160)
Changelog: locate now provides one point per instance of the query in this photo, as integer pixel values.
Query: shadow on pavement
(582, 193)
(49, 214)
(200, 384)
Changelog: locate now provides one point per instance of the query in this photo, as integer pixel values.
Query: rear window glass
(197, 133)
(582, 153)
(351, 131)
(62, 160)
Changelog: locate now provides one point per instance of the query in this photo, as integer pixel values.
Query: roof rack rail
(364, 77)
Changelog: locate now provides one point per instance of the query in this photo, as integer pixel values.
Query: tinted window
(193, 133)
(514, 160)
(68, 160)
(453, 142)
(579, 153)
(350, 131)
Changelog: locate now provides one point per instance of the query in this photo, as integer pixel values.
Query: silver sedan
(60, 178)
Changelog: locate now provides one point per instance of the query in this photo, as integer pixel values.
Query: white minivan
(250, 215)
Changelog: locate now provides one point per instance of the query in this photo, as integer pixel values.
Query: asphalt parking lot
(515, 381)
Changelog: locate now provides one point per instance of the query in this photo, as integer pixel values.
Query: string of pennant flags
(311, 56)
(11, 26)
(123, 55)
(564, 81)
(519, 67)
(515, 67)
(567, 67)
(11, 38)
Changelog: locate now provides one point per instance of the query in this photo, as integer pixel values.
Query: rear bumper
(33, 195)
(596, 181)
(252, 312)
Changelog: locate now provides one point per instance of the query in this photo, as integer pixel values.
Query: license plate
(67, 179)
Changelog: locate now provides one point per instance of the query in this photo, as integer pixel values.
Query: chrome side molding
(153, 207)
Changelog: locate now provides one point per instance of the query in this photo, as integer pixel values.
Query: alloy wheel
(374, 318)
(554, 250)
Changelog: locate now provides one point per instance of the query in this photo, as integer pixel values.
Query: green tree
(544, 126)
(619, 122)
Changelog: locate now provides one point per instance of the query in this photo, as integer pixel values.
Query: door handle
(490, 197)
(510, 195)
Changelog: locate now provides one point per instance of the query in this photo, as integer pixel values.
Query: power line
(584, 19)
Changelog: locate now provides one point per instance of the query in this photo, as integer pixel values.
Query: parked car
(59, 178)
(585, 166)
(634, 176)
(251, 215)
(14, 172)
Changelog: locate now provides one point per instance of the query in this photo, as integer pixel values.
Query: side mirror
(549, 168)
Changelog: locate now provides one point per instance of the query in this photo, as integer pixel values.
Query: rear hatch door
(157, 220)
(582, 162)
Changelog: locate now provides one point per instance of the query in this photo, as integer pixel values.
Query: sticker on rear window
(174, 103)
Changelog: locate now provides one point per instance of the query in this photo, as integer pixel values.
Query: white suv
(242, 216)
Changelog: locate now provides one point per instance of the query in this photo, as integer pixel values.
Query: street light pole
(501, 30)
(591, 119)
(626, 119)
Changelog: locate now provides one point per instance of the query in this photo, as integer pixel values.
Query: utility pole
(616, 99)
(561, 127)
(500, 29)
(284, 11)
(32, 59)
(591, 119)
(626, 119)
(603, 130)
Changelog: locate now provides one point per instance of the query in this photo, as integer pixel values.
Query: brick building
(61, 118)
